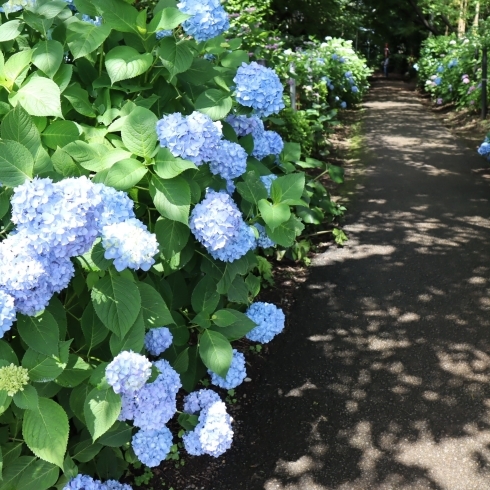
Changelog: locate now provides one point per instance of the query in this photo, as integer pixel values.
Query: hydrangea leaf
(172, 198)
(118, 435)
(85, 451)
(138, 132)
(78, 98)
(274, 214)
(124, 62)
(216, 352)
(86, 7)
(204, 297)
(40, 333)
(117, 302)
(16, 163)
(63, 76)
(48, 10)
(93, 329)
(45, 431)
(39, 24)
(155, 311)
(42, 368)
(118, 15)
(47, 56)
(101, 409)
(27, 399)
(16, 65)
(13, 472)
(336, 173)
(288, 189)
(18, 126)
(76, 372)
(175, 56)
(167, 166)
(214, 103)
(232, 323)
(252, 189)
(59, 134)
(125, 174)
(285, 233)
(133, 340)
(172, 236)
(84, 37)
(291, 152)
(235, 59)
(10, 30)
(167, 19)
(39, 97)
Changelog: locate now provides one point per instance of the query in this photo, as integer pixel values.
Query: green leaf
(76, 372)
(40, 475)
(42, 368)
(274, 214)
(124, 62)
(101, 409)
(93, 329)
(288, 189)
(118, 435)
(10, 30)
(16, 163)
(172, 198)
(285, 233)
(214, 103)
(38, 23)
(188, 421)
(200, 72)
(117, 302)
(176, 56)
(134, 340)
(16, 65)
(47, 56)
(172, 236)
(63, 76)
(40, 333)
(86, 451)
(27, 399)
(7, 353)
(84, 37)
(139, 132)
(78, 98)
(235, 59)
(216, 352)
(18, 126)
(238, 291)
(40, 97)
(167, 166)
(252, 189)
(336, 173)
(125, 174)
(291, 152)
(154, 309)
(118, 15)
(205, 298)
(45, 431)
(59, 134)
(14, 471)
(48, 9)
(105, 161)
(167, 19)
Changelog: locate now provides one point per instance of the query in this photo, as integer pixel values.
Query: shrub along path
(381, 380)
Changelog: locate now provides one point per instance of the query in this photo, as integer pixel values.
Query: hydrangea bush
(133, 211)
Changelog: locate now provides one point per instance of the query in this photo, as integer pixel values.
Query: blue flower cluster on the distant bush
(128, 372)
(163, 33)
(229, 161)
(152, 446)
(267, 181)
(130, 244)
(85, 482)
(157, 340)
(236, 373)
(209, 18)
(259, 87)
(213, 434)
(452, 63)
(263, 240)
(97, 21)
(195, 137)
(269, 319)
(484, 149)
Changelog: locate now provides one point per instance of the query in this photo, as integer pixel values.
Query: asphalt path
(382, 378)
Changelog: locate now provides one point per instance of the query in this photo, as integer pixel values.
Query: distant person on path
(387, 60)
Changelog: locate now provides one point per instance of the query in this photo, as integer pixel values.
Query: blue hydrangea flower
(229, 161)
(213, 434)
(7, 312)
(236, 247)
(259, 87)
(354, 89)
(438, 80)
(440, 69)
(116, 206)
(195, 137)
(115, 485)
(342, 59)
(128, 372)
(451, 64)
(130, 244)
(198, 400)
(70, 5)
(82, 482)
(209, 19)
(158, 340)
(209, 57)
(235, 376)
(335, 56)
(263, 240)
(343, 105)
(244, 125)
(16, 5)
(163, 33)
(152, 446)
(484, 149)
(267, 181)
(97, 21)
(269, 319)
(276, 144)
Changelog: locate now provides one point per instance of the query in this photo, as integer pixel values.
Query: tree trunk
(477, 15)
(463, 7)
(421, 16)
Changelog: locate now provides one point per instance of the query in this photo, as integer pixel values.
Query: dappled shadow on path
(382, 380)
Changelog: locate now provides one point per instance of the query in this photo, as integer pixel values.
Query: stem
(101, 60)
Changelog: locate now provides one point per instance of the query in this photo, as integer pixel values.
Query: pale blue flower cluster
(7, 312)
(238, 247)
(163, 33)
(195, 137)
(276, 144)
(244, 125)
(438, 80)
(209, 18)
(130, 244)
(440, 69)
(152, 446)
(269, 319)
(267, 181)
(229, 161)
(198, 400)
(117, 206)
(157, 340)
(97, 21)
(263, 240)
(236, 373)
(343, 105)
(259, 87)
(451, 64)
(16, 5)
(484, 149)
(354, 89)
(85, 482)
(213, 434)
(128, 372)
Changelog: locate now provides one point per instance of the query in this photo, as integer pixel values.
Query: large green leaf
(274, 214)
(40, 333)
(11, 29)
(285, 233)
(167, 19)
(76, 372)
(172, 198)
(59, 134)
(232, 323)
(134, 340)
(172, 236)
(214, 103)
(167, 166)
(176, 56)
(78, 98)
(215, 351)
(47, 56)
(42, 368)
(27, 399)
(16, 163)
(252, 189)
(45, 431)
(101, 409)
(84, 37)
(155, 311)
(18, 126)
(40, 475)
(14, 471)
(138, 132)
(124, 62)
(125, 174)
(118, 435)
(93, 329)
(117, 303)
(288, 189)
(205, 298)
(40, 97)
(118, 15)
(16, 65)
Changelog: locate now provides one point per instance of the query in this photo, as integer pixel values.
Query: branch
(447, 22)
(423, 19)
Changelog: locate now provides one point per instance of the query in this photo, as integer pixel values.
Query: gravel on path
(382, 379)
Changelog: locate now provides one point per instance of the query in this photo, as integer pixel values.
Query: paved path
(382, 380)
